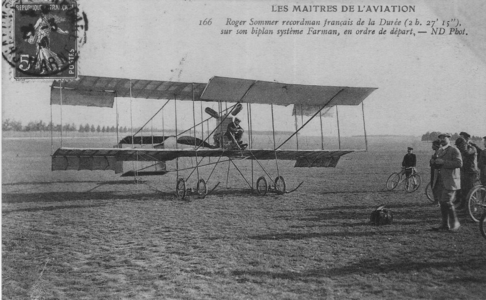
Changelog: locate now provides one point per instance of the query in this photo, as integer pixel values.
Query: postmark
(41, 38)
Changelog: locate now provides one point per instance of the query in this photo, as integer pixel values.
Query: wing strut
(318, 112)
(364, 126)
(274, 149)
(339, 130)
(60, 95)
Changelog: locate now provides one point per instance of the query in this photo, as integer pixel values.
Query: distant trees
(36, 126)
(68, 127)
(13, 125)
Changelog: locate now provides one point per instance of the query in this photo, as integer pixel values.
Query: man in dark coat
(409, 162)
(448, 181)
(435, 147)
(469, 170)
(482, 163)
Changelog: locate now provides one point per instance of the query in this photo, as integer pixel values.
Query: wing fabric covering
(101, 91)
(112, 158)
(265, 92)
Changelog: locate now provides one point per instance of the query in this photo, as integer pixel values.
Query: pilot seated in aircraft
(234, 133)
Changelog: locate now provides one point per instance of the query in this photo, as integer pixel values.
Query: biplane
(216, 144)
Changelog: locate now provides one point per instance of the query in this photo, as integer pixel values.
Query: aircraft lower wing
(112, 158)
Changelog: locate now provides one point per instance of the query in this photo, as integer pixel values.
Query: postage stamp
(41, 38)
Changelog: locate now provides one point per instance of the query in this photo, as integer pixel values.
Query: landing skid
(200, 191)
(278, 186)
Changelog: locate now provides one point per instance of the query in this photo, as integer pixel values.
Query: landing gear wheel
(280, 186)
(262, 186)
(392, 181)
(413, 183)
(476, 199)
(181, 188)
(428, 193)
(202, 189)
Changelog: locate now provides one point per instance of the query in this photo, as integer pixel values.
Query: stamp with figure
(42, 39)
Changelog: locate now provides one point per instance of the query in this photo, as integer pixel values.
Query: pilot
(234, 132)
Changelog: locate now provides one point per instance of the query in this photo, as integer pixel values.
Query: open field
(94, 235)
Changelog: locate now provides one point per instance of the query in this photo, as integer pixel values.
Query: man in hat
(433, 172)
(469, 170)
(482, 163)
(234, 133)
(409, 162)
(448, 181)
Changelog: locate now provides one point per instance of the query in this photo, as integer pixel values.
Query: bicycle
(412, 182)
(429, 193)
(476, 202)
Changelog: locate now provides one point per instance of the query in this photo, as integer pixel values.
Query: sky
(424, 82)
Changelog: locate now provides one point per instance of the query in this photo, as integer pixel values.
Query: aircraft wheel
(202, 189)
(262, 186)
(392, 181)
(181, 188)
(280, 186)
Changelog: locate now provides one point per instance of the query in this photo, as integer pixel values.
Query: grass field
(94, 235)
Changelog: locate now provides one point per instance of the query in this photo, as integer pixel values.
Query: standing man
(469, 170)
(448, 163)
(409, 162)
(434, 172)
(482, 163)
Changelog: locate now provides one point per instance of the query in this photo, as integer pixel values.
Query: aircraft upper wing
(111, 158)
(266, 92)
(101, 91)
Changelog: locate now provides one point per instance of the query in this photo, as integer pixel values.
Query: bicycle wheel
(262, 186)
(181, 188)
(476, 199)
(412, 183)
(202, 189)
(392, 181)
(280, 186)
(429, 193)
(482, 225)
